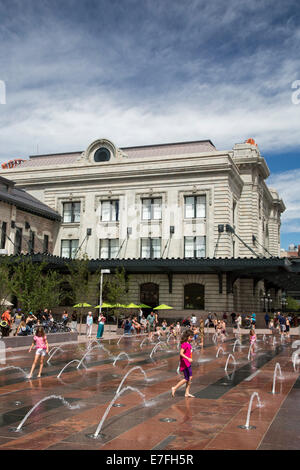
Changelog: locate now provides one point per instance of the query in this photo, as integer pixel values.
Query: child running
(185, 363)
(252, 340)
(41, 345)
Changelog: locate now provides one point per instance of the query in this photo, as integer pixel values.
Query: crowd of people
(17, 323)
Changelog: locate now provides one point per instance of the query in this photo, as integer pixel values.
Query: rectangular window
(71, 212)
(110, 211)
(194, 207)
(69, 248)
(109, 248)
(46, 244)
(150, 248)
(3, 235)
(31, 241)
(18, 241)
(151, 209)
(194, 247)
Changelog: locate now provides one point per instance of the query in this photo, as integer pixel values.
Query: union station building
(196, 228)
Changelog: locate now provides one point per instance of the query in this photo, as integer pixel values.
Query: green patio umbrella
(132, 306)
(163, 307)
(144, 306)
(81, 305)
(105, 305)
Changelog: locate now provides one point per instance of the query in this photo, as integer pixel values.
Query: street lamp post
(103, 271)
(266, 299)
(283, 301)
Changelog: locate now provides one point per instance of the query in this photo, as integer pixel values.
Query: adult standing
(151, 324)
(89, 324)
(74, 321)
(267, 319)
(193, 320)
(238, 322)
(233, 315)
(101, 323)
(253, 320)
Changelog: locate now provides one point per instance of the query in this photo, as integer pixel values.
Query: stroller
(4, 328)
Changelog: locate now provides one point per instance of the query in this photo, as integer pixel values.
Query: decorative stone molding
(70, 198)
(195, 191)
(107, 195)
(88, 154)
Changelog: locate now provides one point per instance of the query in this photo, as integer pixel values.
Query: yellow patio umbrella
(132, 306)
(105, 305)
(163, 307)
(81, 305)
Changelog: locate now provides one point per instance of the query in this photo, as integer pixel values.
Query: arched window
(66, 294)
(194, 296)
(149, 294)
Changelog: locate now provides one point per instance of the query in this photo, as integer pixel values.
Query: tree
(292, 304)
(5, 284)
(34, 286)
(78, 279)
(116, 289)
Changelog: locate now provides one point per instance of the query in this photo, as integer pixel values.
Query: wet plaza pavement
(209, 421)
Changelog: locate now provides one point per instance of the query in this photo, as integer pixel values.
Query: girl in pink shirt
(185, 363)
(252, 337)
(41, 345)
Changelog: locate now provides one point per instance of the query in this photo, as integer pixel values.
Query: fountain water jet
(74, 360)
(295, 344)
(247, 426)
(277, 366)
(230, 355)
(217, 355)
(296, 355)
(90, 350)
(123, 353)
(155, 348)
(117, 395)
(44, 399)
(128, 373)
(54, 352)
(14, 367)
(237, 341)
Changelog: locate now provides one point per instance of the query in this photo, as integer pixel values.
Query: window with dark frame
(18, 241)
(150, 248)
(69, 248)
(31, 241)
(71, 212)
(194, 207)
(46, 244)
(108, 248)
(110, 211)
(151, 208)
(194, 297)
(3, 235)
(195, 247)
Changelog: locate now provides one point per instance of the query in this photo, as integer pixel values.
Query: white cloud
(287, 184)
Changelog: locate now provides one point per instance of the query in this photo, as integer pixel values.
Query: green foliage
(78, 279)
(292, 304)
(116, 288)
(5, 284)
(34, 287)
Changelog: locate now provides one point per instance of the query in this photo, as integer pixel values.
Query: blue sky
(149, 71)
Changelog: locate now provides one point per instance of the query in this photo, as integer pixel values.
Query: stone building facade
(26, 224)
(182, 200)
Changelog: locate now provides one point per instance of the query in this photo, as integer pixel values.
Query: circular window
(102, 155)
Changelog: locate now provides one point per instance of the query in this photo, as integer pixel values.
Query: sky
(141, 72)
